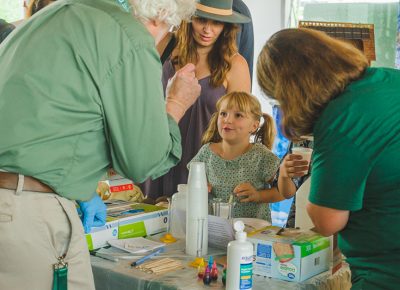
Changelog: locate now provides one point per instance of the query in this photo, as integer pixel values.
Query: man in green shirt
(80, 90)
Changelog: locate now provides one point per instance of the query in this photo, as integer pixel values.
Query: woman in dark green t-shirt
(325, 88)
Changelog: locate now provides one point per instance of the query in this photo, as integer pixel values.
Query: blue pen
(145, 258)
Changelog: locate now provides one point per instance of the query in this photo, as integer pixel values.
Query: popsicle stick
(230, 198)
(165, 266)
(155, 263)
(168, 270)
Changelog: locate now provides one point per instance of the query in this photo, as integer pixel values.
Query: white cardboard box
(99, 236)
(143, 224)
(149, 220)
(292, 255)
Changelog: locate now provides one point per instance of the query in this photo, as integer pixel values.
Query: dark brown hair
(303, 70)
(219, 58)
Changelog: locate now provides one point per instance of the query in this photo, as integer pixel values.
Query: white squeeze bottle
(240, 261)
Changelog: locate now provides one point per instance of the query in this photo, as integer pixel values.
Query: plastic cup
(226, 209)
(305, 153)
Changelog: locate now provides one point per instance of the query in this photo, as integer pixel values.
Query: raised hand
(182, 91)
(293, 166)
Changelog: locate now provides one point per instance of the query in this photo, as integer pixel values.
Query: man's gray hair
(171, 12)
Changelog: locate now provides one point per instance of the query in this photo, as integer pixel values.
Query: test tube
(216, 206)
(200, 233)
(231, 205)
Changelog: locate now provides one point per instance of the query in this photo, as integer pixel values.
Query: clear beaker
(222, 209)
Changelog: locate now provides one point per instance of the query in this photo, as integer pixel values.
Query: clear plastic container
(178, 212)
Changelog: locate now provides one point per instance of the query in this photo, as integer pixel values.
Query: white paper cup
(305, 154)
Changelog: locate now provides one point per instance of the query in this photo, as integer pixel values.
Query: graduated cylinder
(197, 211)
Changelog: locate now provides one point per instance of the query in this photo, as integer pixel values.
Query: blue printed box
(290, 255)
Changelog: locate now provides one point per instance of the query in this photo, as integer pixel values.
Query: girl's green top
(257, 166)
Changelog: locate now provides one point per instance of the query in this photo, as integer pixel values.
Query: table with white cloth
(120, 275)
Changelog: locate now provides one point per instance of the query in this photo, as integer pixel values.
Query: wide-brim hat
(220, 10)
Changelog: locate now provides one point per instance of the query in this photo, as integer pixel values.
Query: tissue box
(290, 254)
(128, 220)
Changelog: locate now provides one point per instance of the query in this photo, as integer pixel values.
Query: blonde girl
(234, 165)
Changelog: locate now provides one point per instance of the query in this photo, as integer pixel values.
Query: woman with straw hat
(209, 42)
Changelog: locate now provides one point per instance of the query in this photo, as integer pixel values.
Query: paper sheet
(136, 245)
(220, 231)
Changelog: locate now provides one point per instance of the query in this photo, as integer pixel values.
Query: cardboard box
(337, 259)
(290, 254)
(152, 220)
(99, 236)
(128, 220)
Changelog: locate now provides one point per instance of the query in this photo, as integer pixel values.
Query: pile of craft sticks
(161, 266)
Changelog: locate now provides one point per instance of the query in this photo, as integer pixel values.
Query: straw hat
(220, 10)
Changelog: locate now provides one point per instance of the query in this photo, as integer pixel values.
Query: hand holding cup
(294, 165)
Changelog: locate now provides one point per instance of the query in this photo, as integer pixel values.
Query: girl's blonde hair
(218, 59)
(304, 69)
(248, 104)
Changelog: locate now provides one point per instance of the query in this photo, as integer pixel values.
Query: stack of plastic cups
(197, 211)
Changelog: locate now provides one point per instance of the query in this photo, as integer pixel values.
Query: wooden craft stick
(162, 261)
(165, 266)
(160, 266)
(168, 270)
(155, 263)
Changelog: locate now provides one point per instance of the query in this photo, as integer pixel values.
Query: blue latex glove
(94, 213)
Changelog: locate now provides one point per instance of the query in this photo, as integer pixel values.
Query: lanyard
(60, 275)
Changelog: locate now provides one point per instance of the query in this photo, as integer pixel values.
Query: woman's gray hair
(171, 12)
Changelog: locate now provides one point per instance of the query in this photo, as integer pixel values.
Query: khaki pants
(36, 229)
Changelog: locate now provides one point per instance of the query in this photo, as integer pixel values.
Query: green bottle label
(246, 272)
